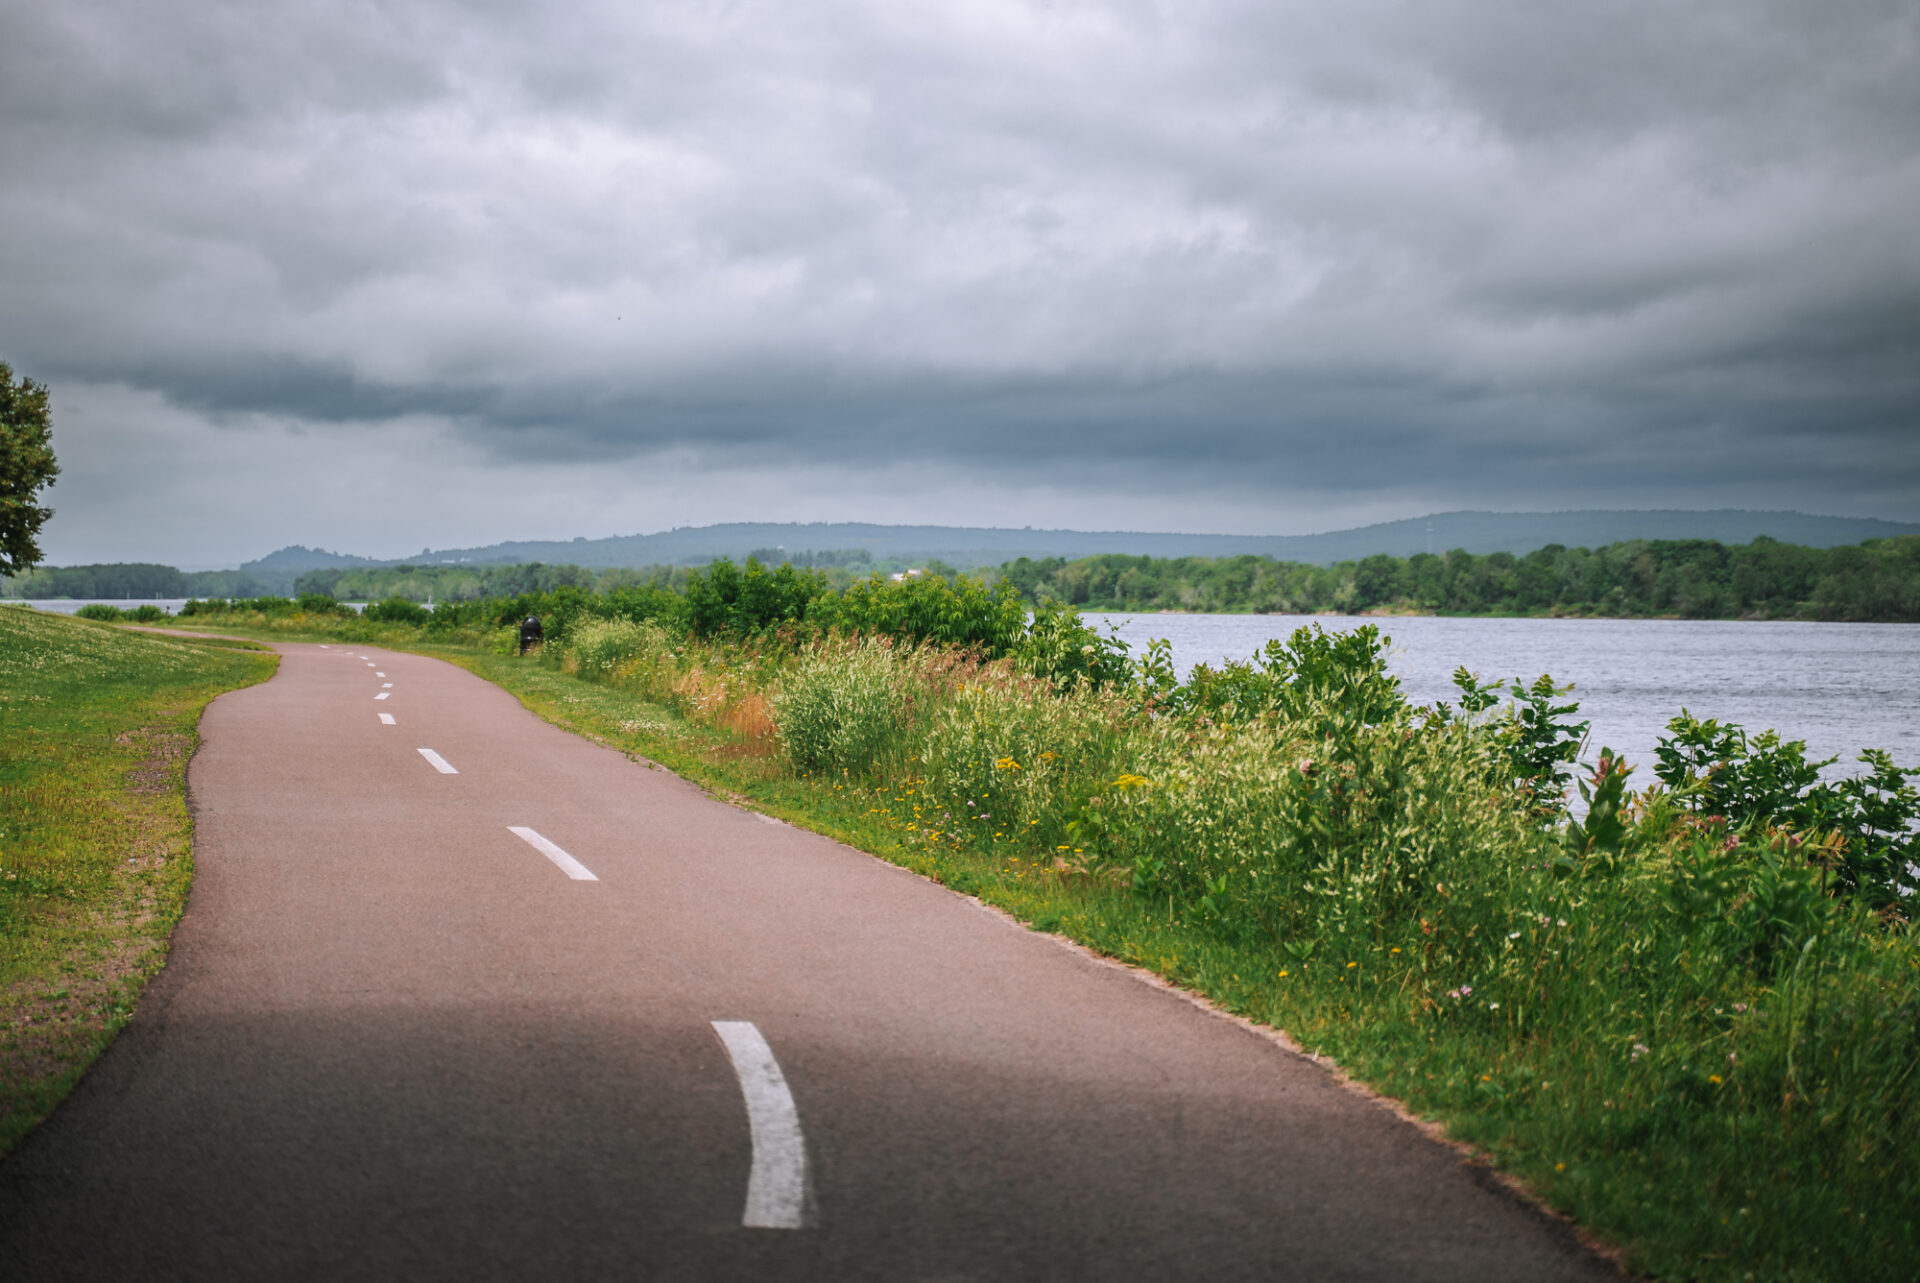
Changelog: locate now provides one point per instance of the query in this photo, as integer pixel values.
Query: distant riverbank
(1877, 581)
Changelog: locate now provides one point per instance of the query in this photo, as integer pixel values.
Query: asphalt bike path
(516, 1006)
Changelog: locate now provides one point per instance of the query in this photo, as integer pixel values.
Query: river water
(1839, 687)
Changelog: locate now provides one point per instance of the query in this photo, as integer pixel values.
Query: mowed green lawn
(96, 726)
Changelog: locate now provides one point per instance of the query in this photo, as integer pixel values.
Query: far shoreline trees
(1684, 578)
(1877, 581)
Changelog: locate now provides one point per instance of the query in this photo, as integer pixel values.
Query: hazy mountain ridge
(295, 558)
(965, 546)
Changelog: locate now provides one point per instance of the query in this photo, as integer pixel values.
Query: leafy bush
(397, 610)
(743, 601)
(1758, 786)
(267, 606)
(145, 613)
(640, 602)
(1313, 671)
(1060, 647)
(928, 608)
(448, 616)
(313, 603)
(560, 610)
(1535, 738)
(1289, 834)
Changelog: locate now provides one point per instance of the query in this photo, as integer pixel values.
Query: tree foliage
(26, 466)
(1685, 578)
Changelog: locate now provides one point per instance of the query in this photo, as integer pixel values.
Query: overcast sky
(378, 276)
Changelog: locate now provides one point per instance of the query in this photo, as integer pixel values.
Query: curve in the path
(401, 1035)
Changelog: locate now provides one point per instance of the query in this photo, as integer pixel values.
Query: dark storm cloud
(1614, 252)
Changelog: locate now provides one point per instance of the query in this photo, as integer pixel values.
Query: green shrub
(1752, 786)
(642, 602)
(560, 610)
(1535, 739)
(1060, 647)
(397, 610)
(745, 600)
(314, 603)
(622, 652)
(101, 611)
(1279, 831)
(1313, 671)
(927, 608)
(840, 710)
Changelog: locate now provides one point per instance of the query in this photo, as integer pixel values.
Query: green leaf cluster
(27, 466)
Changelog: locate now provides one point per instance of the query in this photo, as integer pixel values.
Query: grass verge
(95, 839)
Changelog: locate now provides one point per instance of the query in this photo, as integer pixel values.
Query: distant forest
(480, 583)
(1693, 579)
(129, 579)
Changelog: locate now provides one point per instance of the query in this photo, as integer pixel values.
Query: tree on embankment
(26, 466)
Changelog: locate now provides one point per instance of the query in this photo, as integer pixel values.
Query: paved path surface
(398, 1039)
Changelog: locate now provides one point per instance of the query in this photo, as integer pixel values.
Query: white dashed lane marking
(383, 694)
(440, 763)
(777, 1184)
(570, 866)
(386, 719)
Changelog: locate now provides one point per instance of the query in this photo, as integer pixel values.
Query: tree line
(130, 579)
(1693, 579)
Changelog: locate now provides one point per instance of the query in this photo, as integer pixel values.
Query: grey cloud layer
(1285, 245)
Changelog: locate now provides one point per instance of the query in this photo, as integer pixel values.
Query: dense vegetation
(27, 466)
(480, 583)
(1689, 1016)
(126, 579)
(1691, 579)
(94, 858)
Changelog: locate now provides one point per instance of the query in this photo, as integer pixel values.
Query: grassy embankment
(96, 727)
(1692, 1024)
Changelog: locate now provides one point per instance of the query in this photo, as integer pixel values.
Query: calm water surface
(1839, 687)
(68, 605)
